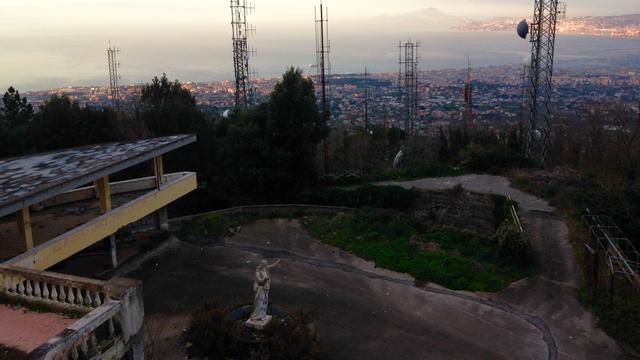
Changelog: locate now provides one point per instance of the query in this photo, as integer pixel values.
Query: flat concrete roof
(28, 180)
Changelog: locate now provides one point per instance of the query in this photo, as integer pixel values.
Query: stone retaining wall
(460, 208)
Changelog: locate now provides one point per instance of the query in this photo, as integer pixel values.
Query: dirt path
(551, 295)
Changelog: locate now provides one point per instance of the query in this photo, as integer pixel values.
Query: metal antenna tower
(468, 95)
(241, 52)
(408, 85)
(366, 100)
(323, 49)
(112, 59)
(546, 15)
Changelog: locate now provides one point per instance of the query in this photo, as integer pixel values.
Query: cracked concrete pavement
(365, 312)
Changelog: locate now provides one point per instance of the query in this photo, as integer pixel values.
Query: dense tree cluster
(259, 155)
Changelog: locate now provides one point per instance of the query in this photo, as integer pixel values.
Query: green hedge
(383, 197)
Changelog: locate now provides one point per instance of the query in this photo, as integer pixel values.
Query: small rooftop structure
(104, 319)
(32, 183)
(28, 180)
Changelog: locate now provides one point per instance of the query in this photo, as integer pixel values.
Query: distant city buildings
(497, 94)
(617, 26)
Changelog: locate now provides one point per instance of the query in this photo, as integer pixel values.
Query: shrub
(514, 246)
(212, 335)
(210, 225)
(10, 353)
(384, 197)
(491, 158)
(619, 316)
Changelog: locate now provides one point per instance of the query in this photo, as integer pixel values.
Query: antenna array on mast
(408, 85)
(468, 95)
(546, 15)
(114, 77)
(241, 52)
(323, 49)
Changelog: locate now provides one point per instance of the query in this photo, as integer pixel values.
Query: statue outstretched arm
(274, 264)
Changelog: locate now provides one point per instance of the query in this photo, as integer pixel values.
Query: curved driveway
(363, 312)
(552, 295)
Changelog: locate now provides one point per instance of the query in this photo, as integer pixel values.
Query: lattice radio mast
(546, 15)
(241, 52)
(366, 100)
(323, 49)
(408, 85)
(114, 77)
(468, 96)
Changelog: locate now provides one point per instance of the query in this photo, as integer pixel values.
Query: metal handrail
(618, 258)
(513, 211)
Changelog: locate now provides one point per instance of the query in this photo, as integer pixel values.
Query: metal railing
(513, 211)
(622, 258)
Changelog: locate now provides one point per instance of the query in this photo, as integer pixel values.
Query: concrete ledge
(267, 209)
(116, 188)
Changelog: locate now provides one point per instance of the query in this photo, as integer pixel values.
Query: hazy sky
(51, 43)
(36, 15)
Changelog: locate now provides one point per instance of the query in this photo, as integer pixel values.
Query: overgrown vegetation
(391, 174)
(211, 334)
(384, 197)
(213, 225)
(599, 163)
(7, 353)
(514, 245)
(456, 259)
(42, 307)
(619, 316)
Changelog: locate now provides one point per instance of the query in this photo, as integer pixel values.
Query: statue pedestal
(258, 324)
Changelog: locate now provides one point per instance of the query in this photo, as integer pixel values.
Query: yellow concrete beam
(64, 246)
(24, 227)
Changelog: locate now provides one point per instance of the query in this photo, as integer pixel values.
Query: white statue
(261, 285)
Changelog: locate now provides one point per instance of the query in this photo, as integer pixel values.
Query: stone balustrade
(52, 289)
(98, 335)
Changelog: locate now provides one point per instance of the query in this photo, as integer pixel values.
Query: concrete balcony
(76, 318)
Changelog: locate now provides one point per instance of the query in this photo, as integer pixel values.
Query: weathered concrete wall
(458, 207)
(129, 293)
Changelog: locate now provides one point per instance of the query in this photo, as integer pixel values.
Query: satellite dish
(226, 114)
(523, 29)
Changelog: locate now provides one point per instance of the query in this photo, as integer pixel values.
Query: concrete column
(103, 190)
(162, 215)
(114, 251)
(24, 227)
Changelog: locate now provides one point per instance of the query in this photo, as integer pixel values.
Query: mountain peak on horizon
(429, 12)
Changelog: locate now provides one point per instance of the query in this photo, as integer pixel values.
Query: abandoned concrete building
(57, 206)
